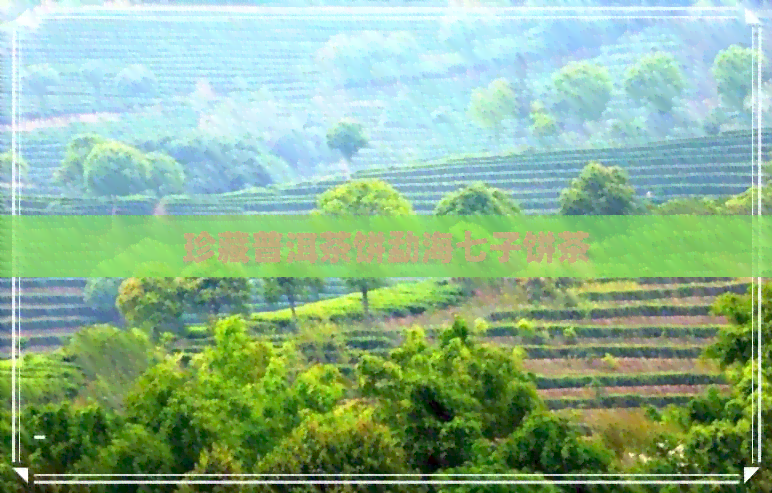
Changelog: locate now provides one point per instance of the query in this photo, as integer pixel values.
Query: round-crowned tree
(584, 88)
(363, 198)
(101, 294)
(733, 71)
(655, 79)
(136, 81)
(116, 169)
(490, 106)
(6, 166)
(40, 80)
(166, 175)
(599, 190)
(348, 137)
(477, 199)
(70, 171)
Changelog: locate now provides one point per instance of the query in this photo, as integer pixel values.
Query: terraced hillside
(712, 166)
(52, 309)
(232, 52)
(633, 344)
(627, 344)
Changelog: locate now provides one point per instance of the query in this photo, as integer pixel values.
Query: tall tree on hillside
(214, 294)
(363, 198)
(291, 288)
(153, 304)
(94, 72)
(40, 80)
(490, 106)
(584, 88)
(733, 71)
(477, 199)
(70, 171)
(348, 137)
(6, 167)
(116, 169)
(599, 190)
(655, 79)
(136, 81)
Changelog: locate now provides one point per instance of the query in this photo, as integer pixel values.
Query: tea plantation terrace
(52, 308)
(709, 166)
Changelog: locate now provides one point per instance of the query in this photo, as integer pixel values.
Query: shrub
(610, 361)
(569, 335)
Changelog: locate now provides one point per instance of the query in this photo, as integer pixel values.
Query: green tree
(234, 394)
(110, 360)
(688, 206)
(115, 169)
(70, 171)
(585, 88)
(348, 440)
(546, 442)
(40, 80)
(477, 199)
(748, 201)
(6, 167)
(733, 72)
(446, 397)
(94, 72)
(734, 342)
(291, 288)
(348, 137)
(599, 190)
(490, 106)
(214, 163)
(655, 79)
(136, 81)
(717, 432)
(100, 295)
(363, 198)
(135, 450)
(154, 304)
(543, 125)
(213, 294)
(73, 434)
(166, 175)
(217, 460)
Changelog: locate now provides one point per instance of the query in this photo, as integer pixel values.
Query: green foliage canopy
(733, 71)
(477, 199)
(363, 198)
(585, 88)
(599, 190)
(116, 169)
(655, 79)
(6, 166)
(348, 137)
